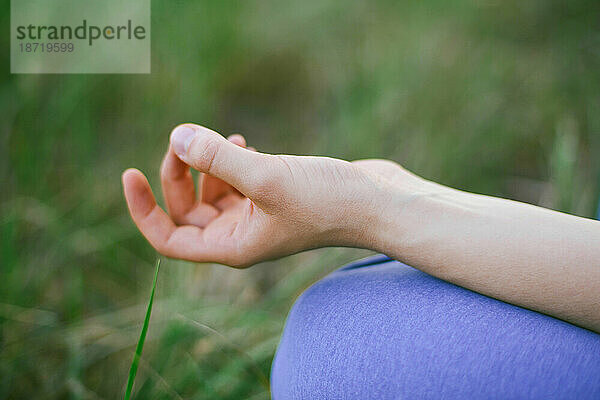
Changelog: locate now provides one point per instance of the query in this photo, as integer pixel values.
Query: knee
(390, 331)
(337, 332)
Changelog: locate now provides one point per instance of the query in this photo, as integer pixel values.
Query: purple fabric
(379, 329)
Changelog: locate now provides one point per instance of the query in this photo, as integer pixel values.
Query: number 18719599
(47, 47)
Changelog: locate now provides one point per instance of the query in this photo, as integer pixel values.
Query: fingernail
(181, 138)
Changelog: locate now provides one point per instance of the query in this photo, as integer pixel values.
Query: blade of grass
(138, 350)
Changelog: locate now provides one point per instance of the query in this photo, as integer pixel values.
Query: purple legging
(379, 329)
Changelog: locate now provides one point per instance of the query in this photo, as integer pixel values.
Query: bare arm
(526, 255)
(253, 207)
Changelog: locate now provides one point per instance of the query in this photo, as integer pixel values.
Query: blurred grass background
(498, 97)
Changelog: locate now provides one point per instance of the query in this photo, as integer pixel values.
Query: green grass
(494, 97)
(140, 345)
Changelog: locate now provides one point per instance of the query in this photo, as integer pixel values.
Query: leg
(388, 331)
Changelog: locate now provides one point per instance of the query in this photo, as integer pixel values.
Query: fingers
(237, 139)
(150, 219)
(213, 189)
(209, 152)
(177, 186)
(179, 193)
(227, 201)
(184, 242)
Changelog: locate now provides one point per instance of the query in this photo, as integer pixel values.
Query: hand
(253, 206)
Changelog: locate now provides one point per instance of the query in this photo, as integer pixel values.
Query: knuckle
(205, 151)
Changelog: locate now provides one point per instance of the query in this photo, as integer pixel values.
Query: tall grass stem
(140, 345)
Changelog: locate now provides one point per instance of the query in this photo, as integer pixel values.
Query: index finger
(184, 242)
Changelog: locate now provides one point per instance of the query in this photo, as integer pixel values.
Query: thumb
(207, 151)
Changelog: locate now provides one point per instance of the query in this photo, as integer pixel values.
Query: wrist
(395, 215)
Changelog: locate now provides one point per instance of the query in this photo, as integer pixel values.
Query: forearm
(526, 255)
